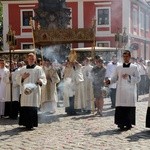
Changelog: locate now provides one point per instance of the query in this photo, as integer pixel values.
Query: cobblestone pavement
(83, 132)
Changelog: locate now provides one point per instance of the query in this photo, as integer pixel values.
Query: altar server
(126, 76)
(31, 77)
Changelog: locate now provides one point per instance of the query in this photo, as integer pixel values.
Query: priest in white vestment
(31, 77)
(12, 105)
(78, 79)
(127, 76)
(88, 86)
(49, 91)
(68, 88)
(3, 72)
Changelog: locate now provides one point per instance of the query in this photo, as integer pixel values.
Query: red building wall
(89, 13)
(74, 15)
(14, 18)
(116, 16)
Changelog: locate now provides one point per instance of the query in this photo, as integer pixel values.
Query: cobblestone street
(83, 132)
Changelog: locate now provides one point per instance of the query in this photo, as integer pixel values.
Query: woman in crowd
(98, 74)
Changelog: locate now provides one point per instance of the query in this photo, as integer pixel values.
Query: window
(135, 18)
(27, 46)
(26, 15)
(103, 16)
(141, 20)
(147, 23)
(142, 50)
(103, 44)
(70, 25)
(147, 52)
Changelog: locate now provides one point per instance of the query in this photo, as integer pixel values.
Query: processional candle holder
(121, 40)
(12, 42)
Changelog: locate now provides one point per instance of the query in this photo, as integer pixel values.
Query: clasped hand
(106, 82)
(25, 75)
(39, 82)
(125, 76)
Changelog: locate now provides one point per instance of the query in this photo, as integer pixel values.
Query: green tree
(1, 27)
(1, 12)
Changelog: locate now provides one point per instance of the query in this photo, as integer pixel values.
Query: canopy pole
(32, 27)
(94, 38)
(93, 56)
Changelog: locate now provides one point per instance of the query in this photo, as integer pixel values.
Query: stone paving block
(83, 132)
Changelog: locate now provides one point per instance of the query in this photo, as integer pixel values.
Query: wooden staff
(32, 27)
(93, 56)
(42, 55)
(34, 47)
(94, 39)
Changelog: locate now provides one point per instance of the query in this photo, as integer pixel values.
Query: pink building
(110, 16)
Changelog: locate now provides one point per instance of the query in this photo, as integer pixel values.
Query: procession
(82, 86)
(74, 74)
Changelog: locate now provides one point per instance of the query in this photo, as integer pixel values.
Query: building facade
(112, 17)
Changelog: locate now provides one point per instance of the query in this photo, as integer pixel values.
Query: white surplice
(49, 91)
(37, 73)
(110, 69)
(15, 87)
(88, 86)
(68, 85)
(3, 72)
(78, 79)
(126, 88)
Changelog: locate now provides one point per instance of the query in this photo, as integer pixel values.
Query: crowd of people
(84, 86)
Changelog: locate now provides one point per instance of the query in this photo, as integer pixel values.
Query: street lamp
(121, 40)
(124, 38)
(11, 40)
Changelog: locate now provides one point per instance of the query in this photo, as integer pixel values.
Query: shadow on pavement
(107, 132)
(7, 121)
(91, 117)
(140, 135)
(8, 133)
(106, 113)
(42, 118)
(12, 132)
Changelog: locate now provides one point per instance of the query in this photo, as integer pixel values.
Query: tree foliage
(0, 12)
(1, 27)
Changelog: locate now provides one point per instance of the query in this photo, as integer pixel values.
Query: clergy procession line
(83, 86)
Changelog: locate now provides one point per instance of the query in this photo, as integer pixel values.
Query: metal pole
(10, 79)
(11, 43)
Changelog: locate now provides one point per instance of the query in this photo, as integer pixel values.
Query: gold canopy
(46, 37)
